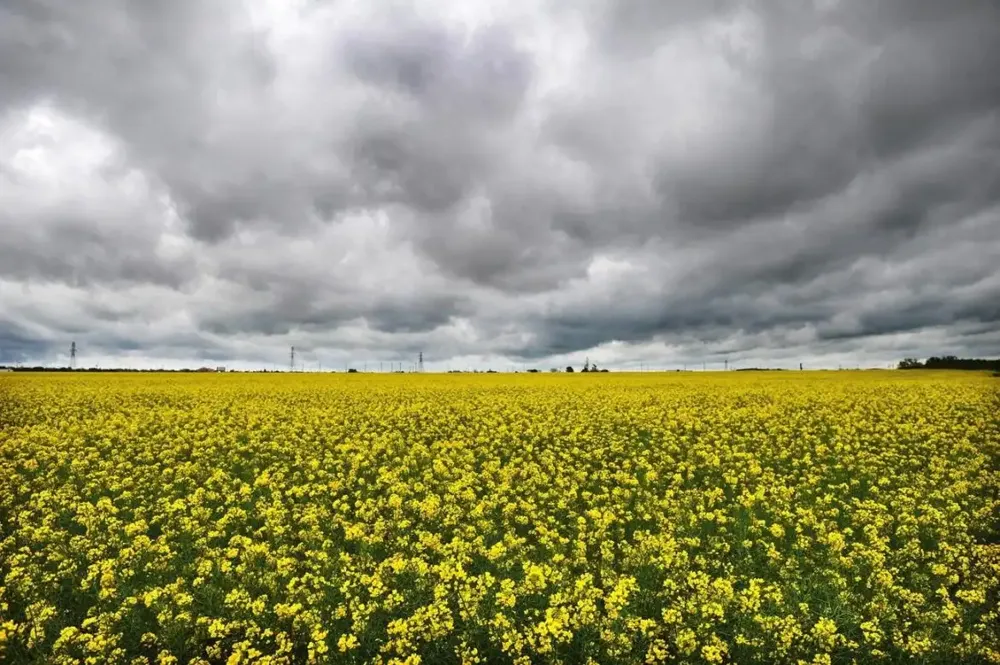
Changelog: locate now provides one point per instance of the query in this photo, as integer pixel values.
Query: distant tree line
(951, 362)
(24, 368)
(587, 367)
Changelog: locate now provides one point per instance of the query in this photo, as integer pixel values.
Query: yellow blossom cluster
(826, 517)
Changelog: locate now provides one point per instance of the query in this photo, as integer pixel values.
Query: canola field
(837, 517)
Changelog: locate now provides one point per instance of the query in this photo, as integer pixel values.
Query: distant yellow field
(645, 518)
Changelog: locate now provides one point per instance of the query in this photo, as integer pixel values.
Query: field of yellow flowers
(831, 517)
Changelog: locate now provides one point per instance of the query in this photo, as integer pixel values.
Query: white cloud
(648, 182)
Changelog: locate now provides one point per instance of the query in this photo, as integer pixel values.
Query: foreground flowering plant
(772, 518)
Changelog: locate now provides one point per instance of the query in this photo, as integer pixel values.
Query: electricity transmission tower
(72, 355)
(420, 362)
(291, 360)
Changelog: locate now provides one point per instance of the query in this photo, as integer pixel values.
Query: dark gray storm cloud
(640, 181)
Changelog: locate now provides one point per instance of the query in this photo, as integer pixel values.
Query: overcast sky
(499, 184)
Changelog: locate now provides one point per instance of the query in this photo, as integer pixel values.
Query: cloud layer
(499, 184)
